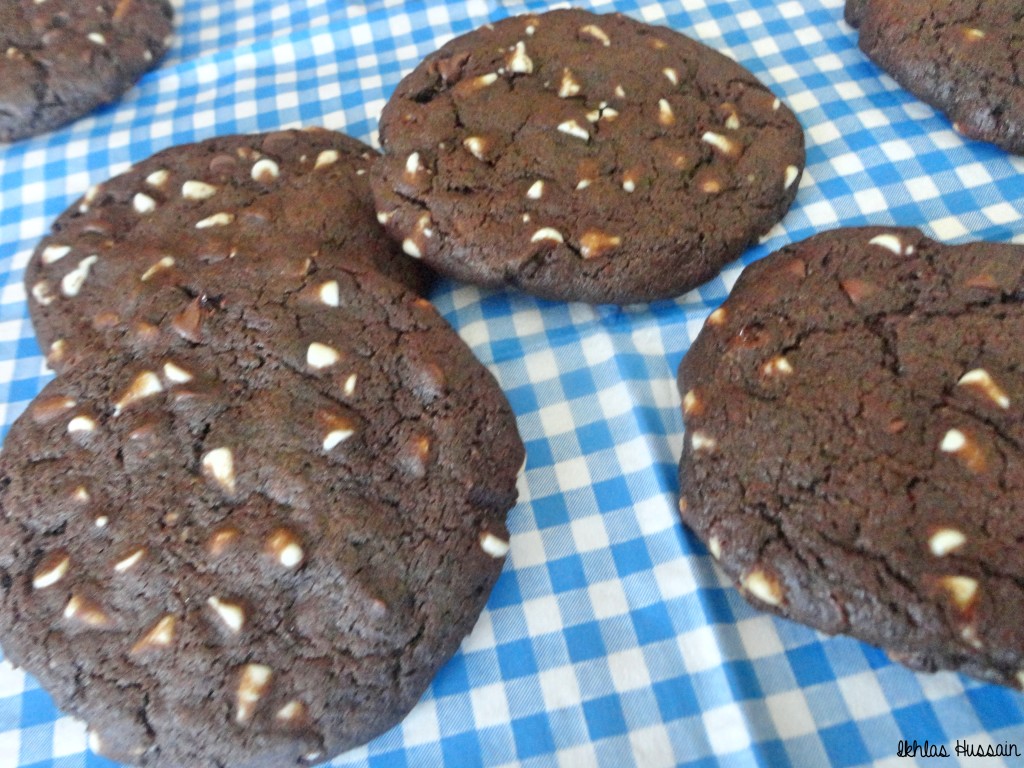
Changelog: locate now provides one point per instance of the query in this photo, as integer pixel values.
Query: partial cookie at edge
(854, 446)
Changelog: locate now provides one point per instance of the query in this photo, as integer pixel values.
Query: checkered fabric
(610, 639)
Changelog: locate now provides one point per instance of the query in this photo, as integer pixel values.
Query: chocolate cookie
(962, 58)
(227, 221)
(583, 157)
(258, 556)
(63, 58)
(854, 456)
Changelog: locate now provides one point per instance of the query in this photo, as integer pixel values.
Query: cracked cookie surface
(854, 452)
(142, 257)
(963, 58)
(583, 157)
(60, 59)
(257, 550)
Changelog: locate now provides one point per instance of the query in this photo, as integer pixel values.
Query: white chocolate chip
(72, 282)
(232, 614)
(326, 158)
(413, 165)
(972, 35)
(143, 203)
(221, 540)
(701, 441)
(953, 441)
(219, 464)
(175, 374)
(597, 33)
(493, 545)
(889, 242)
(350, 385)
(291, 712)
(158, 178)
(476, 146)
(97, 38)
(594, 243)
(129, 561)
(81, 493)
(574, 129)
(95, 743)
(732, 122)
(146, 384)
(519, 61)
(671, 74)
(536, 190)
(691, 403)
(484, 80)
(791, 173)
(961, 588)
(547, 233)
(329, 293)
(620, 91)
(52, 253)
(945, 540)
(160, 636)
(609, 114)
(776, 366)
(101, 521)
(86, 611)
(165, 263)
(216, 220)
(715, 547)
(51, 570)
(717, 317)
(336, 436)
(629, 183)
(762, 586)
(665, 114)
(46, 409)
(775, 105)
(410, 248)
(583, 184)
(81, 424)
(197, 190)
(265, 171)
(321, 356)
(42, 293)
(252, 685)
(981, 379)
(723, 144)
(711, 186)
(569, 85)
(383, 217)
(284, 547)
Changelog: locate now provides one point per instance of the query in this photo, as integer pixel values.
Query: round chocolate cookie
(225, 222)
(258, 556)
(962, 58)
(63, 58)
(583, 157)
(854, 454)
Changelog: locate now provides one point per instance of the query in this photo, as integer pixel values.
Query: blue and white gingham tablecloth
(610, 640)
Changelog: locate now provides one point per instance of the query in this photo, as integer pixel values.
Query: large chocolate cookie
(59, 59)
(258, 556)
(962, 58)
(854, 454)
(228, 221)
(583, 157)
